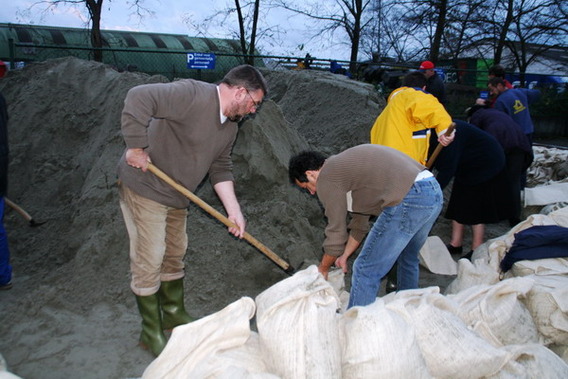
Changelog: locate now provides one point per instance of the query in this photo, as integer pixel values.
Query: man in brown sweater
(187, 129)
(371, 180)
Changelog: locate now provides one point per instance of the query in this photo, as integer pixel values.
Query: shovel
(23, 213)
(213, 212)
(439, 147)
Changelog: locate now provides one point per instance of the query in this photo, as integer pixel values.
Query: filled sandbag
(199, 349)
(450, 349)
(532, 361)
(542, 267)
(547, 301)
(471, 274)
(297, 321)
(496, 312)
(380, 343)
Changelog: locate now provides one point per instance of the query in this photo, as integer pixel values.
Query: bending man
(371, 180)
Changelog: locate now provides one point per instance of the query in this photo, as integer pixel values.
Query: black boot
(152, 336)
(171, 301)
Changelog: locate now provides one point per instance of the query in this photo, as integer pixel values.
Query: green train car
(152, 53)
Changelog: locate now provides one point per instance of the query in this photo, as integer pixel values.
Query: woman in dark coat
(515, 144)
(476, 162)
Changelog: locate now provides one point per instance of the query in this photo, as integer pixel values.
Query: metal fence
(462, 84)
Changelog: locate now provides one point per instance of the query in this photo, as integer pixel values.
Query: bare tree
(94, 8)
(345, 15)
(248, 52)
(528, 29)
(250, 30)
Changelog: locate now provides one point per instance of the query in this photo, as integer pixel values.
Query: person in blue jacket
(5, 267)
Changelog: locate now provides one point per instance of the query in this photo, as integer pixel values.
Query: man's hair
(474, 108)
(305, 161)
(497, 71)
(414, 79)
(495, 81)
(246, 76)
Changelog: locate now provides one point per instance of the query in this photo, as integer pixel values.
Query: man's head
(496, 86)
(496, 71)
(427, 68)
(303, 170)
(414, 79)
(248, 88)
(474, 108)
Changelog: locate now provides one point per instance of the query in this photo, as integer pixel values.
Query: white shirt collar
(222, 117)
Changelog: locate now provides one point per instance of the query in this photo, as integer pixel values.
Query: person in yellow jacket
(406, 121)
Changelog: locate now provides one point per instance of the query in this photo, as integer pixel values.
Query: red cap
(426, 65)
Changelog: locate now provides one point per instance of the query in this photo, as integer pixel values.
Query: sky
(169, 17)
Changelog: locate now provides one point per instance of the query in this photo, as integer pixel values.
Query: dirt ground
(71, 312)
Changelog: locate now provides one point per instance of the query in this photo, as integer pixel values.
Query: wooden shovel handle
(213, 212)
(439, 147)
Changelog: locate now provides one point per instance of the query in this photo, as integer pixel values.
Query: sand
(71, 312)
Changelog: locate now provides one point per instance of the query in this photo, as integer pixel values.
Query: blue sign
(202, 61)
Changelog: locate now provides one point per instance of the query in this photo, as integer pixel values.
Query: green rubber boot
(152, 336)
(173, 309)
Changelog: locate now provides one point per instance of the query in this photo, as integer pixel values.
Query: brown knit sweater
(374, 177)
(179, 126)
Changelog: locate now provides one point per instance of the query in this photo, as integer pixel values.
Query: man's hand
(239, 220)
(137, 158)
(341, 262)
(326, 262)
(445, 140)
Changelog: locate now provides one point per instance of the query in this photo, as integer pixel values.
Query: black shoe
(454, 250)
(468, 255)
(6, 286)
(390, 286)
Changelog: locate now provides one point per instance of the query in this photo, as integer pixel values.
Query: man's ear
(311, 174)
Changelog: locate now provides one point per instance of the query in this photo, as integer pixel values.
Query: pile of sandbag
(544, 293)
(547, 178)
(486, 326)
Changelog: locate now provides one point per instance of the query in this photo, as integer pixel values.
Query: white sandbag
(298, 327)
(496, 313)
(242, 362)
(336, 278)
(4, 373)
(449, 347)
(472, 274)
(195, 349)
(532, 361)
(560, 217)
(434, 255)
(548, 266)
(546, 194)
(547, 302)
(379, 343)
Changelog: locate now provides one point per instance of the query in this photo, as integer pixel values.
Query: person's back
(473, 157)
(515, 102)
(406, 121)
(501, 126)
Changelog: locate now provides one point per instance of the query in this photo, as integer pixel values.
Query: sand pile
(71, 310)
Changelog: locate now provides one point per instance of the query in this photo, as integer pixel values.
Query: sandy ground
(71, 312)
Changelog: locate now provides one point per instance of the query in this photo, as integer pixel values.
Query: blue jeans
(397, 235)
(5, 267)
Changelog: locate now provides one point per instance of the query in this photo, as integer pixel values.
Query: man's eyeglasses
(256, 104)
